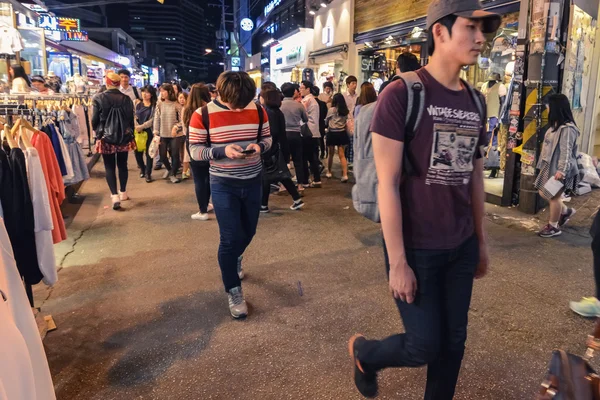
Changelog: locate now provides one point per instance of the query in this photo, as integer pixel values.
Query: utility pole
(222, 34)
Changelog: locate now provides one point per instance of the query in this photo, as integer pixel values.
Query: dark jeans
(595, 232)
(289, 186)
(173, 146)
(310, 147)
(295, 144)
(237, 210)
(145, 168)
(111, 162)
(435, 323)
(201, 183)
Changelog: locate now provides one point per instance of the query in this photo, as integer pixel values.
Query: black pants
(295, 144)
(145, 168)
(435, 323)
(310, 151)
(289, 186)
(595, 232)
(111, 162)
(173, 147)
(201, 183)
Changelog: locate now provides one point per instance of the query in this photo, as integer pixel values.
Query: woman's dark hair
(153, 97)
(560, 111)
(328, 84)
(268, 85)
(178, 86)
(339, 102)
(407, 62)
(288, 89)
(169, 89)
(448, 21)
(19, 72)
(368, 94)
(199, 96)
(272, 97)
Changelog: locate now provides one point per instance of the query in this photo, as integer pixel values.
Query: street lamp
(207, 51)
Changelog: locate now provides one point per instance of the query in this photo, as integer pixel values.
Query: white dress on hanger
(42, 216)
(16, 372)
(18, 305)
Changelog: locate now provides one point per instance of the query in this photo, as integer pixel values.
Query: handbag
(275, 168)
(154, 146)
(305, 131)
(141, 140)
(570, 377)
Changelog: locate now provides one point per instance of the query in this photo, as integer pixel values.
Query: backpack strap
(478, 98)
(206, 123)
(135, 92)
(261, 118)
(415, 105)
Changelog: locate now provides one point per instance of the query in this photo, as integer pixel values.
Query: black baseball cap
(471, 9)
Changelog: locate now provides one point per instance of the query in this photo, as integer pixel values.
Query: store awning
(97, 50)
(404, 28)
(342, 48)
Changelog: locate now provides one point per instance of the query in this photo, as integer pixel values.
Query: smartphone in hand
(247, 152)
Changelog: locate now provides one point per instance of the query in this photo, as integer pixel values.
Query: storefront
(381, 39)
(289, 58)
(253, 68)
(94, 59)
(333, 45)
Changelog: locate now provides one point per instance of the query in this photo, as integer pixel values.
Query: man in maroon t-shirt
(432, 221)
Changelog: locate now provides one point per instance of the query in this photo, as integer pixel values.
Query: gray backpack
(364, 192)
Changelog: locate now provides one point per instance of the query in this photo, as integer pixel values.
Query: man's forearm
(478, 200)
(390, 209)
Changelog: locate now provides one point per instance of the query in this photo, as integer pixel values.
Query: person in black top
(113, 122)
(274, 160)
(322, 114)
(144, 115)
(405, 62)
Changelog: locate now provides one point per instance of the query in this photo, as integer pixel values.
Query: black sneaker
(564, 218)
(298, 204)
(142, 175)
(264, 209)
(149, 179)
(366, 382)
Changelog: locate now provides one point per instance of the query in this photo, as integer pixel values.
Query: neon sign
(269, 7)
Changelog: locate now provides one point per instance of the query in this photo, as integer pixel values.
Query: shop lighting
(312, 12)
(416, 33)
(324, 5)
(268, 42)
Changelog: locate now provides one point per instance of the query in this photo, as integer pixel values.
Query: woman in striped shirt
(231, 132)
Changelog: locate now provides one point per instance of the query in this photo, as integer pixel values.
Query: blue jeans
(435, 323)
(237, 210)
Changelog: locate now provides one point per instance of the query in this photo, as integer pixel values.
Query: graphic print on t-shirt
(455, 137)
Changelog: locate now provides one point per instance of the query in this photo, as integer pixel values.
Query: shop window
(60, 64)
(33, 51)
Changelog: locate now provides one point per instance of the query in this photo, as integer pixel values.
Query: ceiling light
(324, 5)
(268, 42)
(312, 12)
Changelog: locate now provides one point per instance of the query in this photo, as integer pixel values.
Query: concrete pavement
(141, 311)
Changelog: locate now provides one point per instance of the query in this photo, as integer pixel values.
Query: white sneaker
(166, 174)
(210, 207)
(344, 179)
(116, 201)
(123, 196)
(328, 175)
(237, 304)
(200, 217)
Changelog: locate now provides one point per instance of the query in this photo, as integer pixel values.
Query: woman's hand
(559, 176)
(234, 152)
(256, 148)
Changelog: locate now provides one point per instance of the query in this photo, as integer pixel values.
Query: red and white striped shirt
(228, 127)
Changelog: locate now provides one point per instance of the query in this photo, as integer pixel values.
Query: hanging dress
(70, 128)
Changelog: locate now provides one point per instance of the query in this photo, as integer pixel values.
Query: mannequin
(80, 84)
(494, 92)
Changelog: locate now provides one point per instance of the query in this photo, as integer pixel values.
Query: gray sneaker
(237, 304)
(240, 269)
(174, 179)
(166, 174)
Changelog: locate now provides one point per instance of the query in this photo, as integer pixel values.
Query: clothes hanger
(10, 138)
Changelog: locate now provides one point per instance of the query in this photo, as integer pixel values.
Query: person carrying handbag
(274, 166)
(167, 124)
(144, 115)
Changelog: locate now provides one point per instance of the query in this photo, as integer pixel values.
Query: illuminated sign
(50, 23)
(247, 25)
(123, 60)
(75, 36)
(264, 61)
(235, 61)
(145, 69)
(35, 7)
(269, 7)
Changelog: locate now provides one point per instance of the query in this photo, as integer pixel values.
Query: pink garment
(54, 183)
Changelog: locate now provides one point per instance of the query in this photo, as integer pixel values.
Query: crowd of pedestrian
(242, 146)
